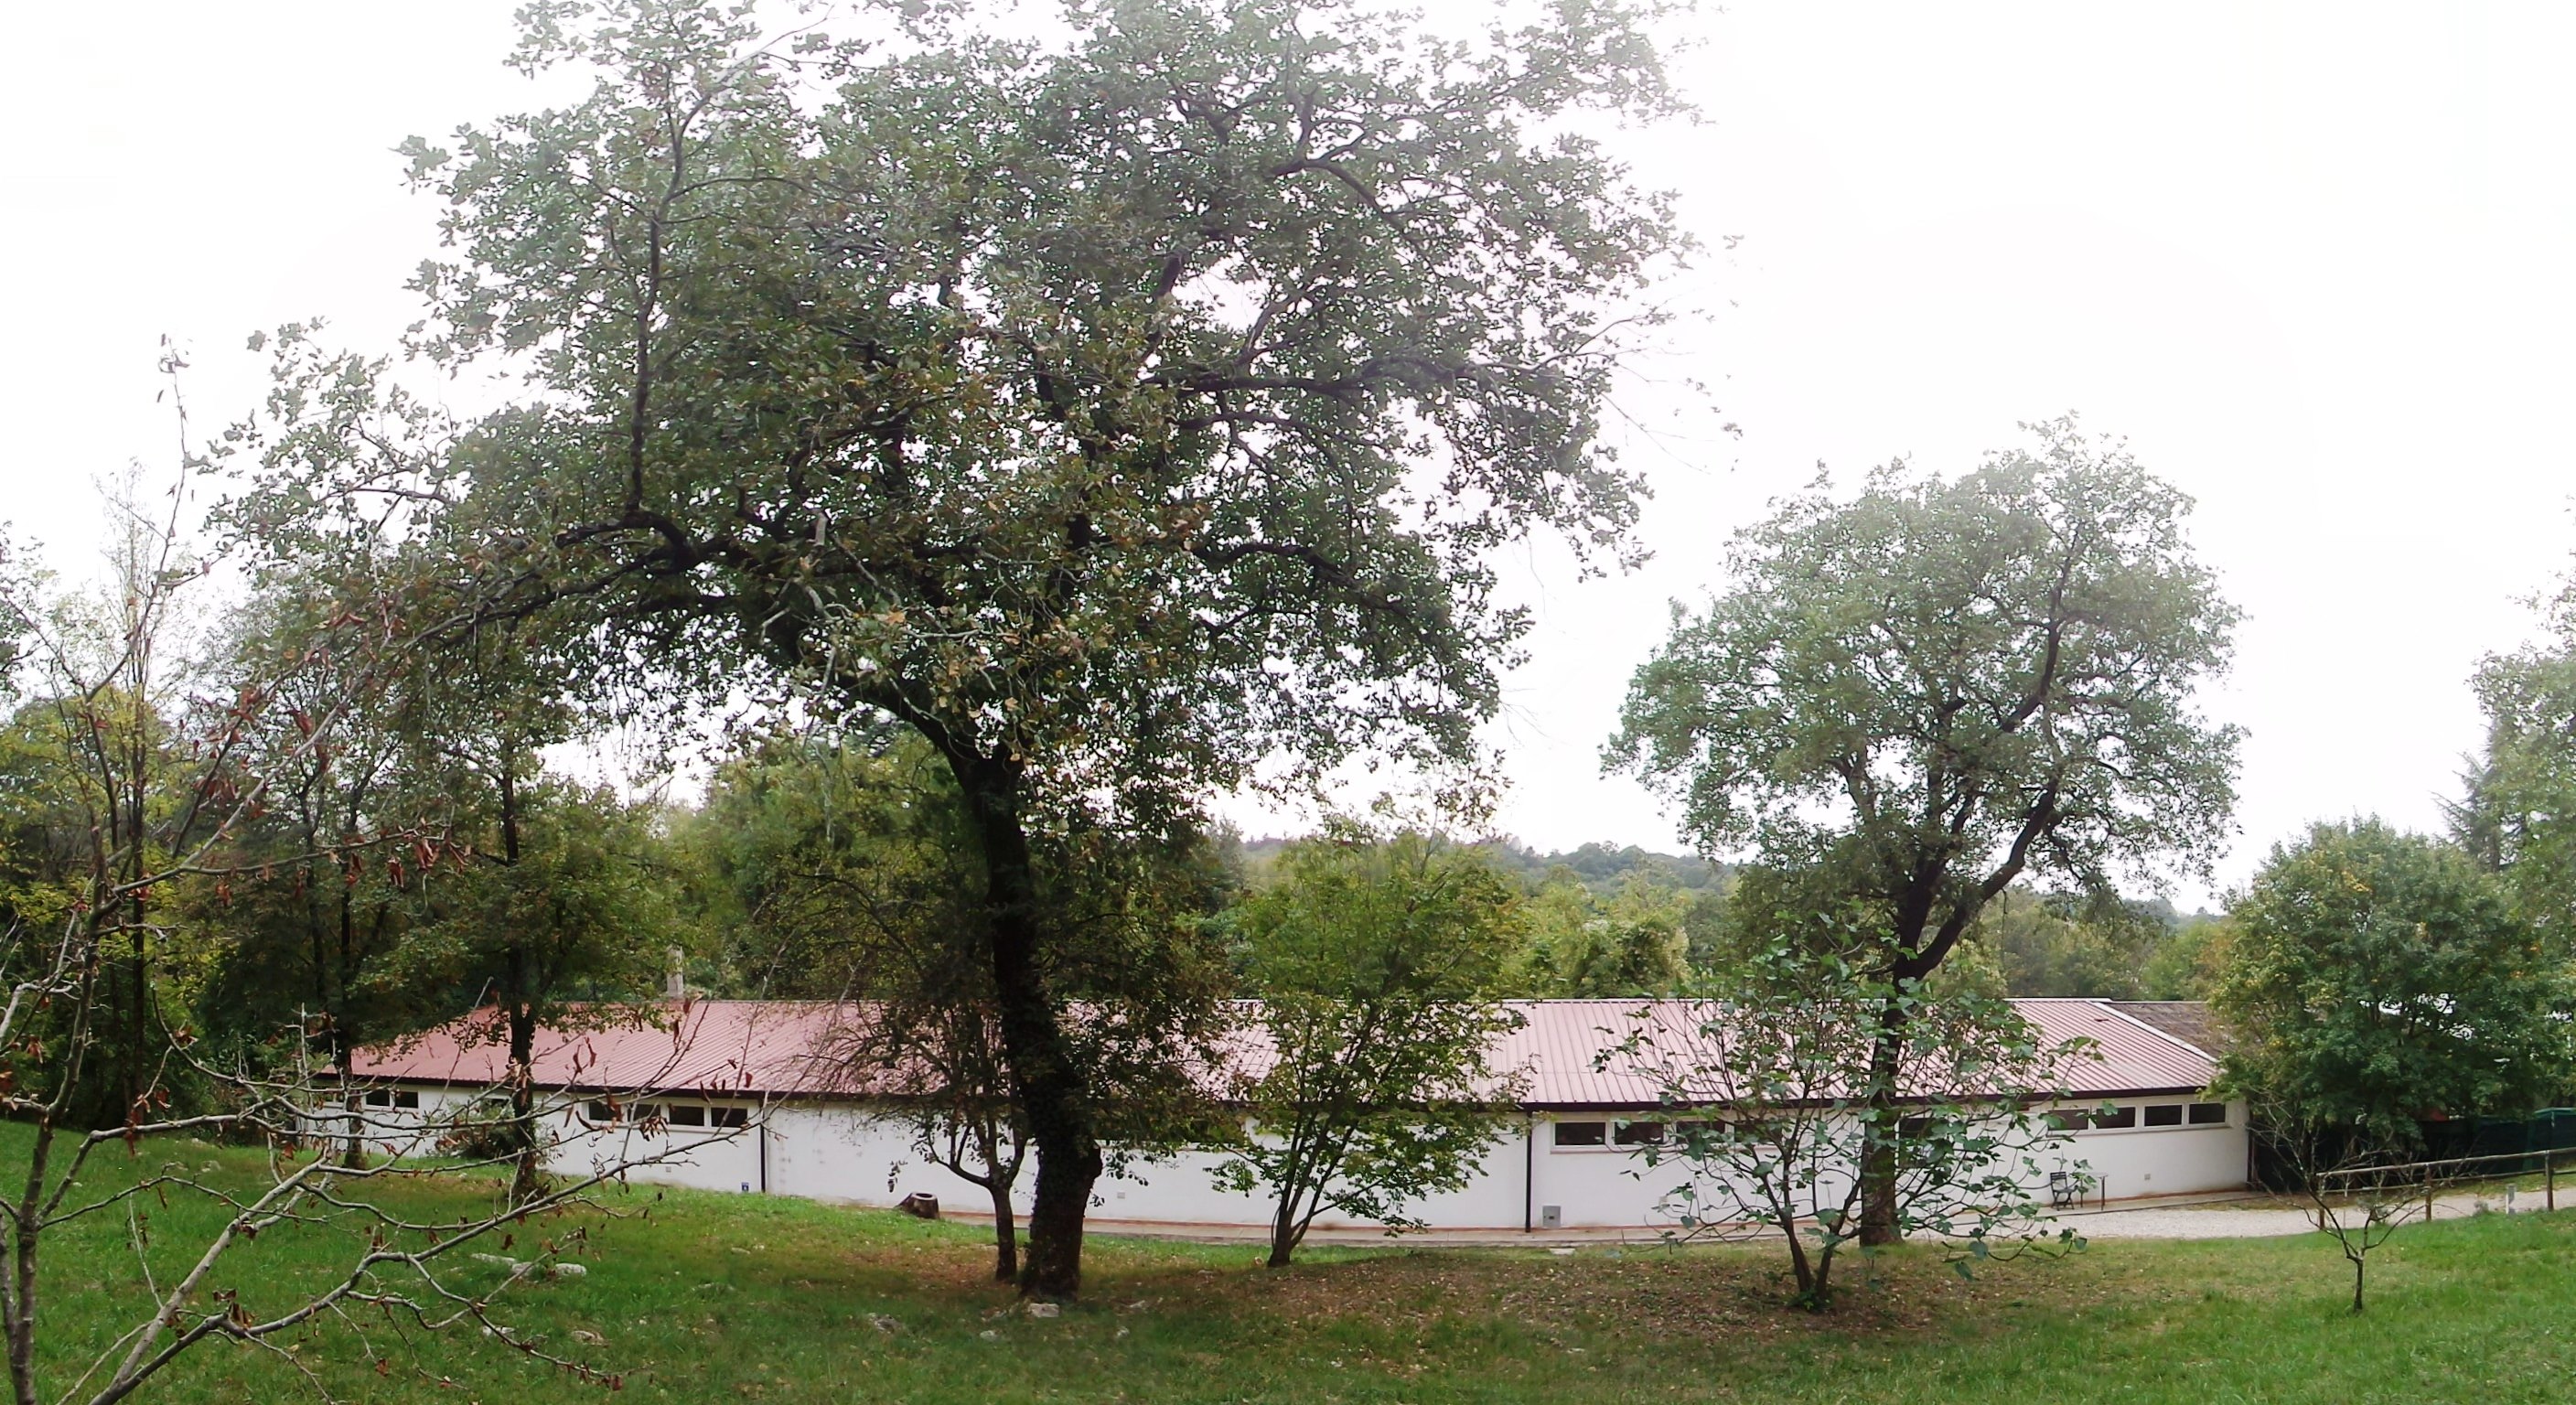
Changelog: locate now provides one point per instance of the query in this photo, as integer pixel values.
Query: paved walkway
(2270, 1217)
(2183, 1217)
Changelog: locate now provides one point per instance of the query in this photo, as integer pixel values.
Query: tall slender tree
(1918, 695)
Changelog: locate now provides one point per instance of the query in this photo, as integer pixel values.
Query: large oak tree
(1119, 408)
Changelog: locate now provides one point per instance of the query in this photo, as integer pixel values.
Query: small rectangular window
(1581, 1133)
(2116, 1117)
(600, 1112)
(2208, 1114)
(1701, 1133)
(1639, 1134)
(406, 1099)
(378, 1097)
(2165, 1115)
(688, 1115)
(644, 1112)
(728, 1116)
(2068, 1119)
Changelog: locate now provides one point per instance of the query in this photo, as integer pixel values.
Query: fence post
(2550, 1162)
(2428, 1194)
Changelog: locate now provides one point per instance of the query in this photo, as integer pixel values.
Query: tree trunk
(1053, 1092)
(1283, 1230)
(1006, 1234)
(1878, 1217)
(2356, 1284)
(521, 1013)
(529, 1180)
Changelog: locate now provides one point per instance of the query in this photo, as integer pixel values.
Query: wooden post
(2549, 1165)
(2428, 1193)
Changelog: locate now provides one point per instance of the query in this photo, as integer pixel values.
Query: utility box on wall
(1551, 1217)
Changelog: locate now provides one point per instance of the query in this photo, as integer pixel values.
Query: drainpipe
(761, 1129)
(1529, 1174)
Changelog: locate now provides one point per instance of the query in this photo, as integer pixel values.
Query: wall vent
(1551, 1217)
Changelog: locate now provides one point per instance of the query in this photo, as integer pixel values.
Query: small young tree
(1780, 1090)
(2345, 1174)
(1375, 964)
(1921, 694)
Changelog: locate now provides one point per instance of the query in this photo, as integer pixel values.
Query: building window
(688, 1115)
(2165, 1115)
(2116, 1117)
(2068, 1119)
(728, 1116)
(600, 1112)
(2208, 1114)
(407, 1100)
(1639, 1134)
(378, 1097)
(1582, 1133)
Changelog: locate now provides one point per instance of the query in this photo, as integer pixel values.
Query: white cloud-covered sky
(2312, 262)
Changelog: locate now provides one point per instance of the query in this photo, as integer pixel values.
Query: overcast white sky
(2312, 261)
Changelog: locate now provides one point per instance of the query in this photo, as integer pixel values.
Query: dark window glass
(1640, 1134)
(2165, 1115)
(406, 1099)
(2116, 1117)
(1581, 1133)
(728, 1116)
(2068, 1120)
(601, 1112)
(2208, 1114)
(684, 1115)
(378, 1097)
(644, 1112)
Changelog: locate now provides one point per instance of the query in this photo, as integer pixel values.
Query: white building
(760, 1071)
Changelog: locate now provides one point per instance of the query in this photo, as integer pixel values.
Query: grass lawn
(706, 1297)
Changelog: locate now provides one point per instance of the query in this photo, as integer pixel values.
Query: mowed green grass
(707, 1297)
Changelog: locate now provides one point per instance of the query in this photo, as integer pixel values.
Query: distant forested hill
(1603, 868)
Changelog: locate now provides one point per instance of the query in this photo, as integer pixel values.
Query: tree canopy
(2376, 979)
(1378, 964)
(1938, 686)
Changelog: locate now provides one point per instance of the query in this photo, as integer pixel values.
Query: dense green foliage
(2518, 816)
(1378, 966)
(2375, 979)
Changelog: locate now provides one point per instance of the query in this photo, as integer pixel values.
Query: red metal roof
(782, 1048)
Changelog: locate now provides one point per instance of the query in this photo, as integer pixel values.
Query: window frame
(1597, 1139)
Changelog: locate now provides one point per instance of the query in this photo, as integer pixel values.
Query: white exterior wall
(844, 1152)
(2134, 1163)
